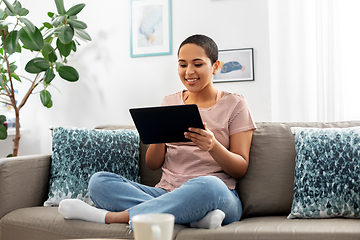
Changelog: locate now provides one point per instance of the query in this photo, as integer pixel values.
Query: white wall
(111, 81)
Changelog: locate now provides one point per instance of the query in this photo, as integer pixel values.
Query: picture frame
(150, 28)
(236, 65)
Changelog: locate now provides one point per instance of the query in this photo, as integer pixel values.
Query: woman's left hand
(204, 139)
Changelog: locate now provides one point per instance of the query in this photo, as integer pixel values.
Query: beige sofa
(266, 193)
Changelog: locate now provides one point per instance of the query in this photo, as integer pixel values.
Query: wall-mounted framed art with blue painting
(235, 65)
(150, 28)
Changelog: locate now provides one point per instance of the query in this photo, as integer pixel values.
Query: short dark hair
(209, 45)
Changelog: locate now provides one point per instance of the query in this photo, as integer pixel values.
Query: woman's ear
(216, 66)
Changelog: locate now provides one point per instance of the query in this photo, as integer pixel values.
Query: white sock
(211, 220)
(77, 209)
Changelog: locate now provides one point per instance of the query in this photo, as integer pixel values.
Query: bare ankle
(117, 217)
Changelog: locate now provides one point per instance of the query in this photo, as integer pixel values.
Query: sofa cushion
(44, 223)
(279, 228)
(327, 173)
(79, 152)
(147, 176)
(267, 187)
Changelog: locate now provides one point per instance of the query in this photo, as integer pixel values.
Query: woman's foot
(77, 209)
(211, 220)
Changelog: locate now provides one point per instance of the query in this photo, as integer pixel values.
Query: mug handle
(156, 232)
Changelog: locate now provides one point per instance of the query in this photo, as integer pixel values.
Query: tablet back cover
(166, 124)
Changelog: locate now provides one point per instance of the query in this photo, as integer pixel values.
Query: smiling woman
(213, 159)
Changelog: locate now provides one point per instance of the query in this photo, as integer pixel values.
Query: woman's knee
(98, 182)
(208, 181)
(214, 189)
(209, 185)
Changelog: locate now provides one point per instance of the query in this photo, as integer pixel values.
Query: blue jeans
(188, 203)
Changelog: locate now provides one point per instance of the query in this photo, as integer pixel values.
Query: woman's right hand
(155, 156)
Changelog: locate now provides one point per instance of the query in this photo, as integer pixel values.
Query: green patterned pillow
(78, 153)
(327, 173)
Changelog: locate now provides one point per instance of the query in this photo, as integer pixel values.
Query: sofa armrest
(24, 182)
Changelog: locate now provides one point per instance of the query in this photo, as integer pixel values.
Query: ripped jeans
(188, 203)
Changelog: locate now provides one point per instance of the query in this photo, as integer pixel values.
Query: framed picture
(236, 65)
(150, 28)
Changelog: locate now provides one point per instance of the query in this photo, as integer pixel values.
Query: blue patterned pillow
(78, 153)
(327, 173)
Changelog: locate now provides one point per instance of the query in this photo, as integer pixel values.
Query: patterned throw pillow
(78, 153)
(327, 173)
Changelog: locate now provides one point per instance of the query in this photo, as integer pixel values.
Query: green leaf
(48, 33)
(45, 98)
(64, 49)
(58, 20)
(50, 14)
(77, 24)
(49, 52)
(47, 25)
(11, 42)
(13, 68)
(49, 40)
(32, 40)
(75, 9)
(9, 6)
(2, 14)
(73, 46)
(17, 7)
(30, 26)
(14, 75)
(23, 46)
(68, 73)
(65, 34)
(36, 65)
(9, 13)
(5, 81)
(73, 17)
(3, 132)
(23, 12)
(2, 119)
(4, 23)
(49, 76)
(50, 104)
(19, 10)
(82, 34)
(18, 48)
(42, 64)
(60, 6)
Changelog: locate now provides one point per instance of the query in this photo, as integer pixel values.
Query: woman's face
(195, 68)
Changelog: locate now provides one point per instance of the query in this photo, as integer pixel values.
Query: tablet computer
(166, 124)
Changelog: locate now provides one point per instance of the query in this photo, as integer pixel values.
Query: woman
(198, 178)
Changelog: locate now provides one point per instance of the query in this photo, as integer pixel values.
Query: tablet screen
(166, 124)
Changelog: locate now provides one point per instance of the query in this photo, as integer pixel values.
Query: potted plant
(52, 42)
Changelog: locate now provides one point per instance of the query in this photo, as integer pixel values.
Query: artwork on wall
(150, 28)
(236, 65)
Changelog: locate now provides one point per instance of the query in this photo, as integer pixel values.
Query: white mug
(158, 226)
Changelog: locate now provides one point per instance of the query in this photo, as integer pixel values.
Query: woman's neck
(203, 99)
